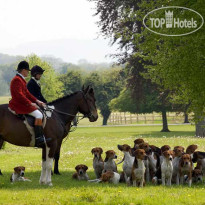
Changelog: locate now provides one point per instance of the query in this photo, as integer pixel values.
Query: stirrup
(39, 142)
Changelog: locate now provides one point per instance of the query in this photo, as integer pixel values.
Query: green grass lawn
(76, 150)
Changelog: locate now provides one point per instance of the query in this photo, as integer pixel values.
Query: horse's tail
(1, 143)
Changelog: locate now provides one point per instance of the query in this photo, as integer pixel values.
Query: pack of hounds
(147, 163)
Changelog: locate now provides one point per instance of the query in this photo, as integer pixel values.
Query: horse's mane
(62, 98)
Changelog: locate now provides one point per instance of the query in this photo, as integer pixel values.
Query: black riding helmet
(23, 65)
(36, 70)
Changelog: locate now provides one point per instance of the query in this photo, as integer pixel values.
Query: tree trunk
(105, 119)
(200, 129)
(164, 121)
(186, 119)
(106, 115)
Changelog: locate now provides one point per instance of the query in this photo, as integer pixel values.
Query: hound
(191, 149)
(167, 167)
(138, 169)
(109, 163)
(128, 161)
(80, 173)
(163, 149)
(148, 150)
(109, 176)
(98, 163)
(178, 152)
(199, 157)
(137, 142)
(185, 168)
(18, 175)
(197, 175)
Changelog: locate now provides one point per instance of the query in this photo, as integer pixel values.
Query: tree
(107, 85)
(72, 81)
(177, 63)
(51, 85)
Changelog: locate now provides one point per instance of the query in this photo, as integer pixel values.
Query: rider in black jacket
(33, 85)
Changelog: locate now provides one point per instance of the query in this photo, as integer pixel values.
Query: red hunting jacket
(21, 98)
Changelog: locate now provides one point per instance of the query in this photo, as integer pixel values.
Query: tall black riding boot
(38, 129)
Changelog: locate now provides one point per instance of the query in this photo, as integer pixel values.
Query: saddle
(47, 113)
(30, 120)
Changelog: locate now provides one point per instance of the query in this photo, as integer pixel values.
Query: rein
(68, 114)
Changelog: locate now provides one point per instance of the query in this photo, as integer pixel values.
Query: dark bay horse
(14, 131)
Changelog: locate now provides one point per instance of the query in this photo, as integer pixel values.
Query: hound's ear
(181, 162)
(191, 160)
(106, 159)
(128, 148)
(92, 150)
(86, 168)
(76, 168)
(135, 163)
(16, 169)
(101, 150)
(24, 168)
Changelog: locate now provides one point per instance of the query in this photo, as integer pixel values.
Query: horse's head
(87, 105)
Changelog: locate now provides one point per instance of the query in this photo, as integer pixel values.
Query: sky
(62, 28)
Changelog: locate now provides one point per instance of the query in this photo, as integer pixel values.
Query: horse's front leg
(43, 171)
(49, 162)
(48, 154)
(57, 157)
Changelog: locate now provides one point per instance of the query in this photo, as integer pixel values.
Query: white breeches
(37, 114)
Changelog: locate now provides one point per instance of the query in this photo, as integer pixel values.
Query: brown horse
(14, 131)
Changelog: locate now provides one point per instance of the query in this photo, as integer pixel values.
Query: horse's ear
(86, 90)
(91, 91)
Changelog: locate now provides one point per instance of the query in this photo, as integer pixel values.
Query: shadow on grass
(159, 134)
(63, 181)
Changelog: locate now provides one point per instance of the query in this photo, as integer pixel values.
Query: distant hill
(57, 63)
(8, 59)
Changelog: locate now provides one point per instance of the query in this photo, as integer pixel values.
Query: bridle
(89, 115)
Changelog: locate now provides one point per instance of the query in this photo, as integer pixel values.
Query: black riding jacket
(35, 89)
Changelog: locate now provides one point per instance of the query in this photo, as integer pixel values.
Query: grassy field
(76, 150)
(4, 99)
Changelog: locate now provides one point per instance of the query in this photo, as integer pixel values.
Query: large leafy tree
(107, 85)
(72, 81)
(176, 64)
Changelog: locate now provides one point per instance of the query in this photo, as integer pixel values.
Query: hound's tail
(121, 160)
(95, 180)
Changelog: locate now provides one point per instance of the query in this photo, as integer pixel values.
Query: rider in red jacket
(23, 102)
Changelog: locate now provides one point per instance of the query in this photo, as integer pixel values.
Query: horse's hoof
(57, 173)
(49, 184)
(42, 182)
